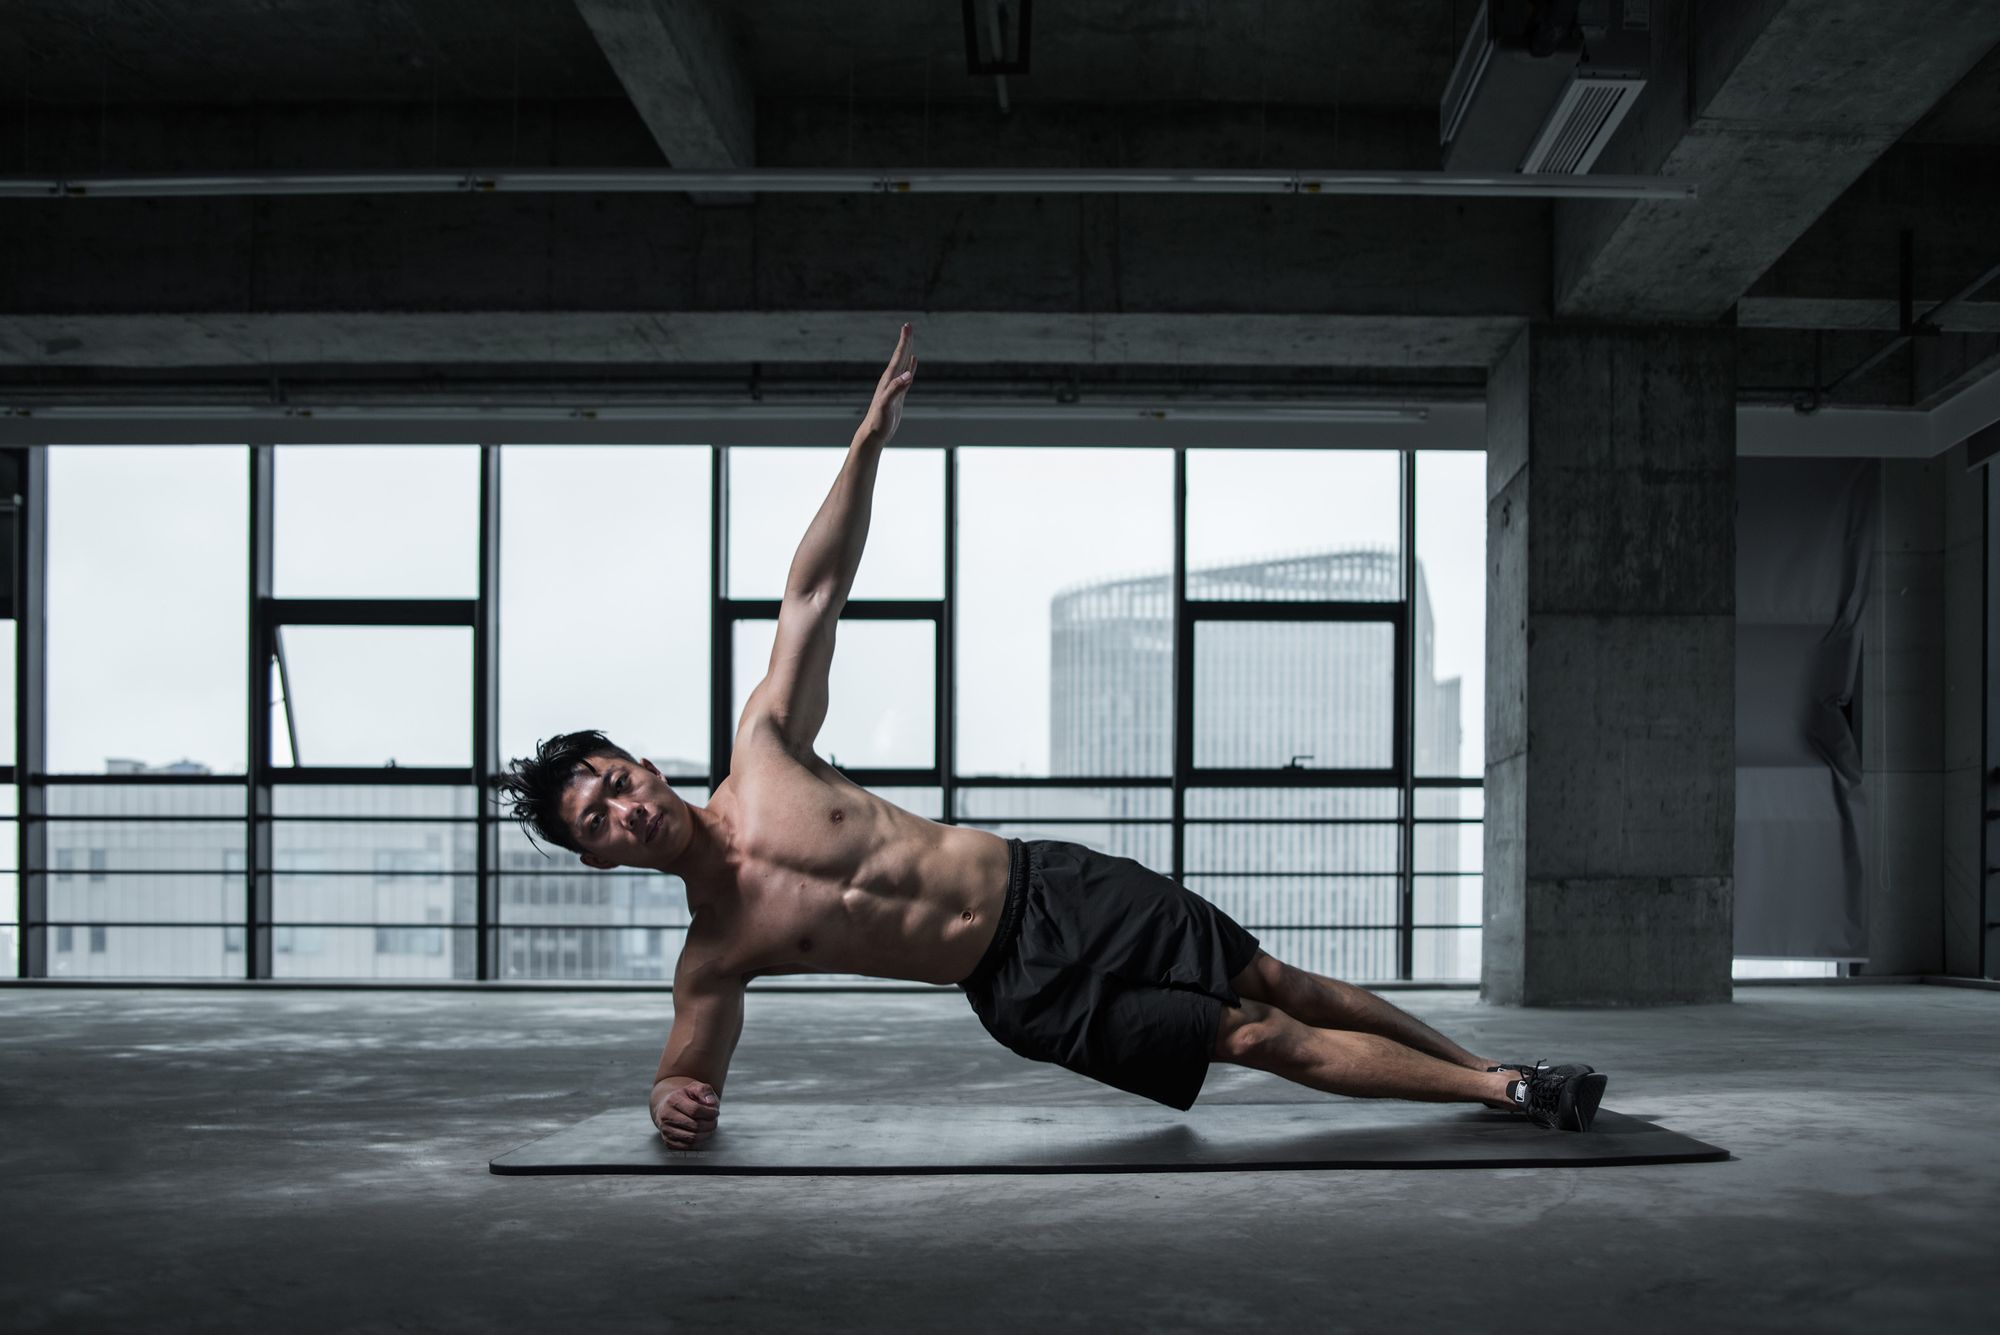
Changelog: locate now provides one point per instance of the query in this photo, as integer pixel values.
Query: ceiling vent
(1541, 85)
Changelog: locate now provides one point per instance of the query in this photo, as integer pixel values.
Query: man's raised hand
(886, 411)
(686, 1114)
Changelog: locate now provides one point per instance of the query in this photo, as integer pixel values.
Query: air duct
(1541, 85)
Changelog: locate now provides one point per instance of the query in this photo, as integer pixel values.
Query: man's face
(622, 813)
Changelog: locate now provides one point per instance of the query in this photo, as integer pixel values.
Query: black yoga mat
(866, 1138)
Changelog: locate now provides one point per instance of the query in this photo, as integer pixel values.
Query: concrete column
(1610, 667)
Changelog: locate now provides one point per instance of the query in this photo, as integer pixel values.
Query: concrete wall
(1610, 782)
(1965, 791)
(1921, 741)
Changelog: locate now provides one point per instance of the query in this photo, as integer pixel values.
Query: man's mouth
(653, 830)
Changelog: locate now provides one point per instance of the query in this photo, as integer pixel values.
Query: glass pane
(1065, 611)
(145, 952)
(114, 897)
(316, 951)
(147, 597)
(1294, 803)
(1747, 966)
(376, 695)
(1447, 901)
(1457, 847)
(379, 850)
(775, 492)
(1450, 644)
(146, 799)
(1255, 850)
(648, 953)
(1451, 803)
(83, 849)
(10, 858)
(376, 521)
(7, 630)
(641, 566)
(977, 804)
(376, 900)
(397, 800)
(881, 694)
(1446, 955)
(1267, 693)
(593, 899)
(1355, 955)
(1318, 525)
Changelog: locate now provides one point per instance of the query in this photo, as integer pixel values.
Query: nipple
(839, 815)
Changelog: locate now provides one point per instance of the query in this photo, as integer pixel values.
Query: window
(147, 571)
(96, 940)
(774, 493)
(1065, 611)
(1299, 525)
(396, 521)
(604, 598)
(881, 694)
(1303, 694)
(1450, 614)
(373, 696)
(65, 940)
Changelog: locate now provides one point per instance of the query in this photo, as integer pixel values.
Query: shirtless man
(1067, 955)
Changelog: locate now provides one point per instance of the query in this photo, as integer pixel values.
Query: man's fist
(685, 1114)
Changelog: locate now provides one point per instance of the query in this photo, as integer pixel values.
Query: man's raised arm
(830, 553)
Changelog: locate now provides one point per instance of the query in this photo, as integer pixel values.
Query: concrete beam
(683, 75)
(1853, 313)
(1776, 107)
(212, 340)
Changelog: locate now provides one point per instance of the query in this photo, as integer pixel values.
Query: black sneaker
(1561, 1098)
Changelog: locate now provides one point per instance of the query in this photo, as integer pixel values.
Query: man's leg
(1328, 1003)
(1359, 1065)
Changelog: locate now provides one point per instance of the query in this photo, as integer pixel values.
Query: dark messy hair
(537, 782)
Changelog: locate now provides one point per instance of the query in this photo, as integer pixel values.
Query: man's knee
(1250, 1033)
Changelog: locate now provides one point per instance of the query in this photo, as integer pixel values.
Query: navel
(967, 915)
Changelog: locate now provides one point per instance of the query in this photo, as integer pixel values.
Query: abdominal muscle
(830, 878)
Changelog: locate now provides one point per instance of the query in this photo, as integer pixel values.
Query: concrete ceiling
(1820, 131)
(1354, 53)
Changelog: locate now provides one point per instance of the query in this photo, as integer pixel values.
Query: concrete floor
(316, 1161)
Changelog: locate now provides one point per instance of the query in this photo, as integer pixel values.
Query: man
(1067, 955)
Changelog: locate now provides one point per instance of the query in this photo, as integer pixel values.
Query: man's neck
(707, 861)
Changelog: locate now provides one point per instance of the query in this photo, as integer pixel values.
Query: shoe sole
(1583, 1108)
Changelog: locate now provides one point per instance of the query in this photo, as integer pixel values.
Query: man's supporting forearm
(830, 552)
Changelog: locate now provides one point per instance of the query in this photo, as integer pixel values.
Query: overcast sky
(605, 584)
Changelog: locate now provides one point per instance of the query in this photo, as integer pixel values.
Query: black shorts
(1108, 968)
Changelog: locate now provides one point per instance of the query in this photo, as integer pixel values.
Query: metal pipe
(1123, 181)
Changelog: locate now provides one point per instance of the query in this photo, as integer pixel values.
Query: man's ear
(592, 860)
(651, 766)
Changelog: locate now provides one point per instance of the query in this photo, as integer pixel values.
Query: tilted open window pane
(1065, 611)
(373, 695)
(775, 492)
(1450, 612)
(882, 691)
(1296, 525)
(1318, 694)
(147, 608)
(604, 598)
(397, 521)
